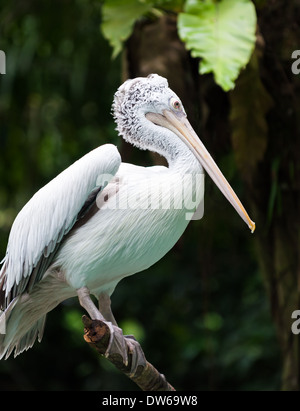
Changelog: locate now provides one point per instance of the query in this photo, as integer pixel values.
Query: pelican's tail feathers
(19, 328)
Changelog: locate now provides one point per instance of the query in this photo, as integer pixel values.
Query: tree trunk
(275, 182)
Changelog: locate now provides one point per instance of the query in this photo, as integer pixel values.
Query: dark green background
(201, 313)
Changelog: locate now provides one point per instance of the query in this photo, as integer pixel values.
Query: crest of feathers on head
(132, 96)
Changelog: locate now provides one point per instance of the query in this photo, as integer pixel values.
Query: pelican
(100, 220)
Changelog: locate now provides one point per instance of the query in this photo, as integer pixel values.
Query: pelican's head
(151, 116)
(135, 99)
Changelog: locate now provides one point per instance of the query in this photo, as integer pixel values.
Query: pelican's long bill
(179, 124)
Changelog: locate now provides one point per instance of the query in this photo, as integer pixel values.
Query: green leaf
(118, 18)
(222, 34)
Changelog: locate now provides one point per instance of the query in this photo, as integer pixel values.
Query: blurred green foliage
(201, 312)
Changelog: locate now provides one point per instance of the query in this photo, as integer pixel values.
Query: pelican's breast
(142, 214)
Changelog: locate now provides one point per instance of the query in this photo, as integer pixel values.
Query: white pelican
(76, 237)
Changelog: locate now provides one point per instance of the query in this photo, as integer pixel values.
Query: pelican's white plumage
(101, 220)
(52, 212)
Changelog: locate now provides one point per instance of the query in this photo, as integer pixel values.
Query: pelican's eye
(175, 104)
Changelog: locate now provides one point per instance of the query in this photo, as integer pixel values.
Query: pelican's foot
(137, 355)
(125, 346)
(117, 343)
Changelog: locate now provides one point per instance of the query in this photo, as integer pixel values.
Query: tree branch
(97, 334)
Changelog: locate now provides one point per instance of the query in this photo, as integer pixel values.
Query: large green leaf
(118, 18)
(221, 33)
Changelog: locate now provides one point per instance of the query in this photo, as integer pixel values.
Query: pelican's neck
(145, 135)
(178, 155)
(181, 160)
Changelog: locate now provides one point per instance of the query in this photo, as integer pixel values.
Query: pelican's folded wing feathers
(50, 214)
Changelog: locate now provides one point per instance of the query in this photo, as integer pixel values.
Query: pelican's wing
(50, 214)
